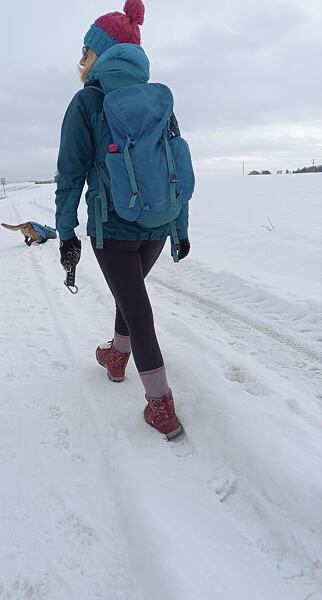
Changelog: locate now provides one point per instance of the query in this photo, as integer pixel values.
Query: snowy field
(95, 504)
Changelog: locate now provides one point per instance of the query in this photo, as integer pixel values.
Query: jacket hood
(120, 65)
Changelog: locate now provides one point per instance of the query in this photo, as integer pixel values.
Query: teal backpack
(149, 164)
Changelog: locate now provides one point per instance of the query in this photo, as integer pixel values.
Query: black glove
(184, 248)
(70, 251)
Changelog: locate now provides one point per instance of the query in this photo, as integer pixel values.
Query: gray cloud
(31, 112)
(245, 76)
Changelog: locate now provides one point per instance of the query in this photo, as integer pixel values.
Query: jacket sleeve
(182, 222)
(183, 217)
(75, 158)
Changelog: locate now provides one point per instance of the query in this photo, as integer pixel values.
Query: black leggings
(125, 264)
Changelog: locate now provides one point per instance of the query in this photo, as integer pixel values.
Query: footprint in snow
(22, 589)
(43, 351)
(55, 411)
(78, 458)
(9, 376)
(181, 447)
(60, 366)
(250, 383)
(74, 530)
(225, 488)
(61, 438)
(7, 453)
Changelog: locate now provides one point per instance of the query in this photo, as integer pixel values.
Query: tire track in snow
(260, 326)
(18, 188)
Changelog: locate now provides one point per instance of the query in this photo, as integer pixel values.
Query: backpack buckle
(134, 199)
(173, 178)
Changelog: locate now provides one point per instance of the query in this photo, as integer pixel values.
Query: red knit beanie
(116, 27)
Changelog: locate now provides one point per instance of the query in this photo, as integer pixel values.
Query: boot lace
(162, 409)
(118, 359)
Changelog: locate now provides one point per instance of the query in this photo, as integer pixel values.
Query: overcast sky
(246, 77)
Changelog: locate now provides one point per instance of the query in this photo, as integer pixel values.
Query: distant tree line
(260, 173)
(311, 169)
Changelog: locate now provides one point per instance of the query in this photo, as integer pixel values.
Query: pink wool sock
(155, 382)
(122, 343)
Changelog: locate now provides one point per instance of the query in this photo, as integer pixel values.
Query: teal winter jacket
(85, 138)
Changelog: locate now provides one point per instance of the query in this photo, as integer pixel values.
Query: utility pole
(313, 161)
(243, 167)
(3, 183)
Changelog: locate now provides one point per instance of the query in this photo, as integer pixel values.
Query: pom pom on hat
(134, 9)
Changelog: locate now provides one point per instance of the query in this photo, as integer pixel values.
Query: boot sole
(114, 379)
(171, 435)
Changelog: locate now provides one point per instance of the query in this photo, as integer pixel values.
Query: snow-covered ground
(94, 504)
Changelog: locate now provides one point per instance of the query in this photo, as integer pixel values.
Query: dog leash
(70, 261)
(70, 279)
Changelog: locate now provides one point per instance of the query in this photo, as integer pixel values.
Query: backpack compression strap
(173, 195)
(175, 244)
(130, 171)
(101, 213)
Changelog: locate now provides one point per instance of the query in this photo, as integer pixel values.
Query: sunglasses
(85, 50)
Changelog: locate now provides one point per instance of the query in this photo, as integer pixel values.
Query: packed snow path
(95, 504)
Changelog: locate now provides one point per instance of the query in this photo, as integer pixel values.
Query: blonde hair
(84, 71)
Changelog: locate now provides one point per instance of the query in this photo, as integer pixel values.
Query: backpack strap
(130, 171)
(172, 172)
(175, 244)
(173, 195)
(101, 212)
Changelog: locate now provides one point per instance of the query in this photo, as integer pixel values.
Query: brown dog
(27, 230)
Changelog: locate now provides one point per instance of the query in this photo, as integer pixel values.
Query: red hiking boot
(113, 360)
(160, 414)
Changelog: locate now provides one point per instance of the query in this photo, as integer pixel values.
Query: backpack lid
(138, 110)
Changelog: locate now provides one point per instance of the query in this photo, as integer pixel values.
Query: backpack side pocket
(121, 189)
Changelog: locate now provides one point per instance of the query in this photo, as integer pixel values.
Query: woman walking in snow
(125, 250)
